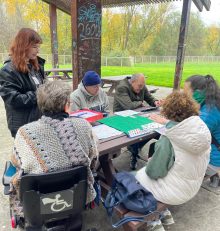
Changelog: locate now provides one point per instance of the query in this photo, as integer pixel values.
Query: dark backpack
(128, 192)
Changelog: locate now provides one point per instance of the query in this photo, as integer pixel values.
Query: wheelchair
(52, 201)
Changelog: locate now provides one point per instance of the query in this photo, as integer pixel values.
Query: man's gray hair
(52, 96)
(135, 77)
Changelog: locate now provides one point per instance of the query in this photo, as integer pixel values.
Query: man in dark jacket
(18, 90)
(132, 93)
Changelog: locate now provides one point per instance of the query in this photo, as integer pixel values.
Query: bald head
(137, 82)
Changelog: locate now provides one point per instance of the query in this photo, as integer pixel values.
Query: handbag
(127, 191)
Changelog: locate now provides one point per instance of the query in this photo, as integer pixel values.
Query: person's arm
(93, 151)
(162, 159)
(149, 98)
(106, 103)
(15, 160)
(75, 103)
(123, 98)
(11, 92)
(208, 118)
(158, 118)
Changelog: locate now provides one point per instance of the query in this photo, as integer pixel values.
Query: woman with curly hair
(206, 92)
(176, 170)
(20, 77)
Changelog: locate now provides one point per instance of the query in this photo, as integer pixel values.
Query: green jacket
(126, 99)
(163, 157)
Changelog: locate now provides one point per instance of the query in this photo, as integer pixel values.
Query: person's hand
(159, 103)
(158, 118)
(143, 104)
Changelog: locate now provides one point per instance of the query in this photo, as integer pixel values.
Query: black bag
(128, 192)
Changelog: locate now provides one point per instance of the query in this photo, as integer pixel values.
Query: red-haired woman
(20, 76)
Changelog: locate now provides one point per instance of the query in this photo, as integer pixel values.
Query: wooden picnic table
(56, 73)
(112, 82)
(111, 147)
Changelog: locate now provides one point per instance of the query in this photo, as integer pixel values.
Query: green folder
(127, 123)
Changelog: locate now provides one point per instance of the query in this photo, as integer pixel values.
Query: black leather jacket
(18, 91)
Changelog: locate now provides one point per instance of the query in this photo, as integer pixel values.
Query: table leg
(65, 75)
(112, 88)
(107, 167)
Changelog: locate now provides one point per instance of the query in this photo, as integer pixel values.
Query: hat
(91, 78)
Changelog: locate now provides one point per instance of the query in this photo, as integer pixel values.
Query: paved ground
(202, 213)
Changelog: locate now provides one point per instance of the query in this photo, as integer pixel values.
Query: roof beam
(207, 4)
(198, 4)
(65, 7)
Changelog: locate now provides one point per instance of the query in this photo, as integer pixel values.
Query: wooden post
(181, 45)
(53, 33)
(86, 37)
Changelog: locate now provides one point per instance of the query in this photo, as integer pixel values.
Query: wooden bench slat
(134, 225)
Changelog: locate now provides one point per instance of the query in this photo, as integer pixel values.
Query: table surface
(59, 70)
(114, 78)
(114, 143)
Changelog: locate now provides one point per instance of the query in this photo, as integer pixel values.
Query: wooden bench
(123, 212)
(134, 225)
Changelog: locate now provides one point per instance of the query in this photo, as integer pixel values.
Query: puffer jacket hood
(196, 139)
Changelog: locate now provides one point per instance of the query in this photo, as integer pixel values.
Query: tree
(213, 40)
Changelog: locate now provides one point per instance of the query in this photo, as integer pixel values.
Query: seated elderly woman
(175, 172)
(54, 142)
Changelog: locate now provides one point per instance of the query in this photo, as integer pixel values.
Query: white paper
(126, 113)
(103, 131)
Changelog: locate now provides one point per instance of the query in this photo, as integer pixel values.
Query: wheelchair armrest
(9, 171)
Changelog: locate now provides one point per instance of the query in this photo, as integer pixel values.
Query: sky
(209, 17)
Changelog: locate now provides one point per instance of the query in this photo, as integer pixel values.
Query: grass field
(162, 74)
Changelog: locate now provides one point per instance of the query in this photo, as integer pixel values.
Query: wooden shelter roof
(64, 5)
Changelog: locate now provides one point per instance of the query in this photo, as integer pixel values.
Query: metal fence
(129, 61)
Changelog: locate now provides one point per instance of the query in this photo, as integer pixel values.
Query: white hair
(135, 77)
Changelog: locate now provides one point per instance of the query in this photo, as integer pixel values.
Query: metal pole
(181, 45)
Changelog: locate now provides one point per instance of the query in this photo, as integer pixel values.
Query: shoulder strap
(215, 142)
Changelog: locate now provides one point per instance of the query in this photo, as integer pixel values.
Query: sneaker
(133, 163)
(167, 218)
(155, 226)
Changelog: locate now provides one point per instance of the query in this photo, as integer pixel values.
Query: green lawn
(161, 74)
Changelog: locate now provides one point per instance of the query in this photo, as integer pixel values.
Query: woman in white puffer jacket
(175, 172)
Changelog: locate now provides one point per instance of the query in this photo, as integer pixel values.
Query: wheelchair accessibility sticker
(57, 202)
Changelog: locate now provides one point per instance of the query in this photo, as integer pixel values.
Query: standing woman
(205, 90)
(20, 77)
